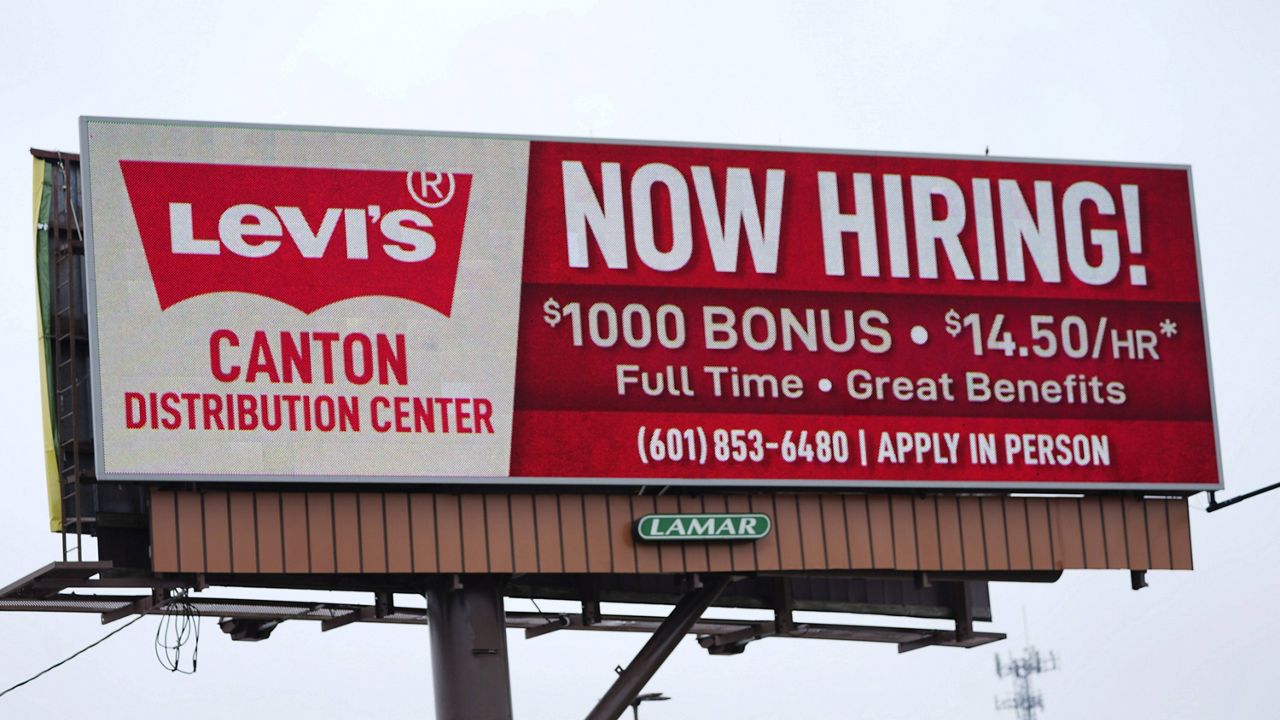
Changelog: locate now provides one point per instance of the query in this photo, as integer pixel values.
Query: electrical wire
(179, 624)
(71, 657)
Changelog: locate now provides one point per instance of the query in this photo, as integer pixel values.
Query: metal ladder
(66, 249)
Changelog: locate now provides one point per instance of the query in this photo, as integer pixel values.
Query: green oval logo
(721, 527)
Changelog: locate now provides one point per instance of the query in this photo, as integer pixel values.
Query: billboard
(317, 304)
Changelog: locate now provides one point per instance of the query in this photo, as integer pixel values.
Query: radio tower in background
(1024, 700)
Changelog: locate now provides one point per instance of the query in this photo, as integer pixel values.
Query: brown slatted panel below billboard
(370, 532)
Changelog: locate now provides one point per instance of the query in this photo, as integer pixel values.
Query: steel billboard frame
(526, 481)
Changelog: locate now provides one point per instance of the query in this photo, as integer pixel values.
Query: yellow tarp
(40, 201)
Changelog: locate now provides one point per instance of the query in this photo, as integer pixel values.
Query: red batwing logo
(307, 237)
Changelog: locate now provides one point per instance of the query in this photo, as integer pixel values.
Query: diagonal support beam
(659, 647)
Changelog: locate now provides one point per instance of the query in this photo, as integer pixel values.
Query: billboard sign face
(318, 305)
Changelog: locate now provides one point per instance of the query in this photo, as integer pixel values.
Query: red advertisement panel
(719, 314)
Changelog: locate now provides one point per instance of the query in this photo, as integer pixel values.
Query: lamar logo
(304, 236)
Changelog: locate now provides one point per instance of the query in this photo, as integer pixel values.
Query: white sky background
(1148, 82)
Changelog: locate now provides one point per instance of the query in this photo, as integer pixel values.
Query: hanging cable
(179, 625)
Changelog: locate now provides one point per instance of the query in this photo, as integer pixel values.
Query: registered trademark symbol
(430, 189)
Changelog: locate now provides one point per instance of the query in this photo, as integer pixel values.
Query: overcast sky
(1167, 82)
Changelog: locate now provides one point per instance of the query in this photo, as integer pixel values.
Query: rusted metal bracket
(963, 606)
(552, 624)
(57, 576)
(591, 613)
(735, 643)
(1137, 579)
(784, 606)
(141, 606)
(946, 638)
(357, 615)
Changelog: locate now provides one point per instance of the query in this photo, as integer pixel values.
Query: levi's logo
(307, 237)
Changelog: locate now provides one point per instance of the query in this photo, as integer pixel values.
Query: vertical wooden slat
(190, 533)
(164, 531)
(1067, 534)
(599, 544)
(670, 554)
(524, 537)
(835, 535)
(399, 546)
(950, 541)
(859, 527)
(878, 514)
(217, 533)
(742, 555)
(928, 551)
(767, 554)
(244, 543)
(547, 516)
(790, 548)
(993, 533)
(573, 532)
(621, 536)
(449, 533)
(498, 512)
(1158, 533)
(346, 532)
(1135, 526)
(1095, 547)
(373, 533)
(1179, 534)
(475, 545)
(297, 548)
(904, 533)
(422, 519)
(320, 514)
(1039, 528)
(974, 543)
(719, 555)
(648, 559)
(813, 543)
(270, 533)
(1016, 533)
(1113, 532)
(696, 558)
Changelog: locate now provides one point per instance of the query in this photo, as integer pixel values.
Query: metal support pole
(655, 652)
(469, 649)
(1215, 505)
